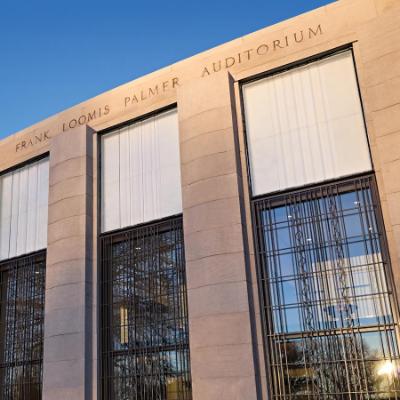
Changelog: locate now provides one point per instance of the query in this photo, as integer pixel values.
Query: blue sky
(56, 54)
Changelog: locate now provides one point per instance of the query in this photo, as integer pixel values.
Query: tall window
(23, 239)
(144, 311)
(22, 286)
(330, 324)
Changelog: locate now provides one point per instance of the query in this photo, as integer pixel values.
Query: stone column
(223, 360)
(67, 372)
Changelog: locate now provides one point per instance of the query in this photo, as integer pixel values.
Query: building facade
(227, 227)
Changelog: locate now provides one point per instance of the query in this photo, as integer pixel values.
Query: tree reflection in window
(21, 330)
(329, 310)
(145, 326)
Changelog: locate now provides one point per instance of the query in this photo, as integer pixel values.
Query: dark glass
(22, 285)
(144, 317)
(329, 309)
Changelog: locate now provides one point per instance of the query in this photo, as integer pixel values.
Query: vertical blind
(305, 125)
(140, 172)
(24, 209)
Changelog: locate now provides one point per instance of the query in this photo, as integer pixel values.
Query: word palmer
(146, 94)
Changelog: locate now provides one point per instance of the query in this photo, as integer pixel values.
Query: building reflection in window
(22, 285)
(331, 328)
(145, 321)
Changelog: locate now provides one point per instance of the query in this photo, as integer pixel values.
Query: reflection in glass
(145, 325)
(22, 285)
(331, 327)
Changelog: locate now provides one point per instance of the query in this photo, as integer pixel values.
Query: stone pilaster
(377, 57)
(220, 321)
(67, 370)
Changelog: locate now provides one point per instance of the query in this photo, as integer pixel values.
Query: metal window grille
(22, 287)
(328, 307)
(145, 352)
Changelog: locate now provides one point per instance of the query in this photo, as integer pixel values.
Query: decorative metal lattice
(144, 311)
(328, 305)
(22, 285)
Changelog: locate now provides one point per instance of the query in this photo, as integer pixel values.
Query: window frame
(106, 241)
(278, 199)
(349, 47)
(30, 260)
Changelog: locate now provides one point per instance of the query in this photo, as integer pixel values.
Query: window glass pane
(24, 196)
(22, 283)
(305, 125)
(332, 332)
(158, 375)
(140, 172)
(145, 320)
(305, 376)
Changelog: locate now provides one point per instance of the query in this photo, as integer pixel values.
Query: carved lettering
(175, 82)
(91, 115)
(277, 43)
(229, 62)
(73, 123)
(216, 69)
(298, 40)
(84, 119)
(248, 52)
(160, 88)
(261, 50)
(149, 92)
(153, 92)
(205, 72)
(312, 33)
(34, 140)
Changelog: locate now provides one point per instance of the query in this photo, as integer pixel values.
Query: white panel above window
(24, 195)
(140, 172)
(305, 125)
